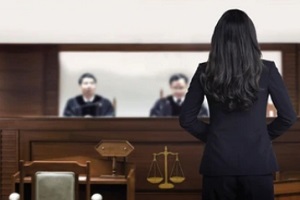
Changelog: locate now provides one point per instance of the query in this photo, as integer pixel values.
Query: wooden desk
(75, 139)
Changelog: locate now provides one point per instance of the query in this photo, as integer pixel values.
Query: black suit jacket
(240, 142)
(99, 107)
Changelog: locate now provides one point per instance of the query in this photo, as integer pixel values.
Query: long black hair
(234, 66)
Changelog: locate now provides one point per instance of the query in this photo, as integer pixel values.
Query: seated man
(88, 104)
(171, 105)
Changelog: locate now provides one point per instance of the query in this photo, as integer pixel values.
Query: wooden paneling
(1, 160)
(298, 76)
(75, 139)
(28, 80)
(9, 160)
(44, 150)
(134, 47)
(51, 82)
(287, 190)
(286, 155)
(21, 83)
(290, 75)
(168, 195)
(160, 47)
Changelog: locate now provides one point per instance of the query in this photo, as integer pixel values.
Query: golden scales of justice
(155, 175)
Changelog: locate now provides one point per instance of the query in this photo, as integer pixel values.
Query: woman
(238, 159)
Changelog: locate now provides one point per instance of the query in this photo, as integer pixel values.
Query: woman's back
(239, 142)
(238, 160)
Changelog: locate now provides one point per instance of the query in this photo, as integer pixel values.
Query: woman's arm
(286, 115)
(191, 107)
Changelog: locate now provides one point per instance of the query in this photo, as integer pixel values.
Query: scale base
(166, 186)
(112, 176)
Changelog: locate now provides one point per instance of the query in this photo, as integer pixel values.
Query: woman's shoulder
(201, 67)
(269, 66)
(268, 63)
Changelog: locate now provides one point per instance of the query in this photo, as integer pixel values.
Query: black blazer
(240, 142)
(100, 106)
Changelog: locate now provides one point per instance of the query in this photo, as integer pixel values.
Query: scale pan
(177, 179)
(155, 179)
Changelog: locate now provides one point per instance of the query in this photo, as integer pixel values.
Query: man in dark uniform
(89, 104)
(171, 105)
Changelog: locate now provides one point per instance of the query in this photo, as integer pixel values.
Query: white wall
(128, 21)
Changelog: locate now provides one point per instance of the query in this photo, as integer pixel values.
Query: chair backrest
(54, 185)
(57, 176)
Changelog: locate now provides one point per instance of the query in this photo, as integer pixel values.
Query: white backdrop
(140, 21)
(133, 78)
